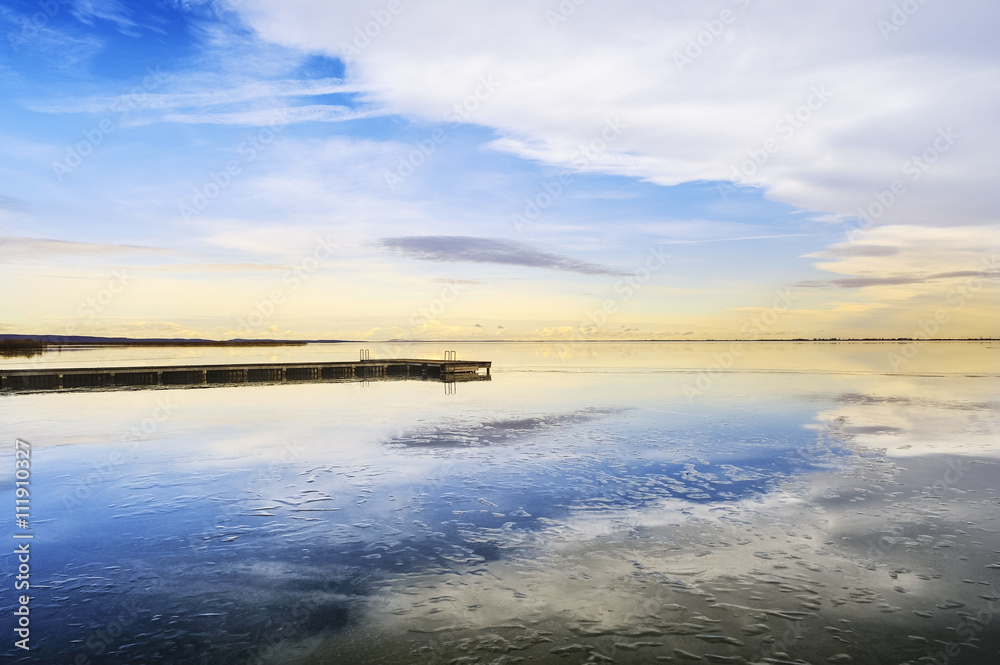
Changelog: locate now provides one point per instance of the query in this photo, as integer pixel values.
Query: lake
(593, 502)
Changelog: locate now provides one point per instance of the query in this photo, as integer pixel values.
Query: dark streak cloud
(859, 282)
(856, 250)
(488, 250)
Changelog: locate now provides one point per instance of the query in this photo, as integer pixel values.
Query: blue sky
(534, 170)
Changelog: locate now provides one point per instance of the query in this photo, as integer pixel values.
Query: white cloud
(878, 96)
(913, 254)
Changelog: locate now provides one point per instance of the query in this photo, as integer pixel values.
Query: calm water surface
(813, 503)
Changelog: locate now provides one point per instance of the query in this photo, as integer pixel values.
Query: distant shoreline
(18, 344)
(681, 341)
(24, 341)
(31, 346)
(181, 342)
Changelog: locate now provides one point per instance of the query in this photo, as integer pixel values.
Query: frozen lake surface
(812, 503)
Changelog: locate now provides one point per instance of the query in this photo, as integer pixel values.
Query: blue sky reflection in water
(575, 501)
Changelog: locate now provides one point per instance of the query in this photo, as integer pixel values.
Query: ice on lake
(812, 503)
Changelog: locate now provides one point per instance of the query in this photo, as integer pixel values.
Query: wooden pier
(180, 376)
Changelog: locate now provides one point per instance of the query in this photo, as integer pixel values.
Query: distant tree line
(19, 347)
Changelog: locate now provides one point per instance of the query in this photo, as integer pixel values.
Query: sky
(574, 169)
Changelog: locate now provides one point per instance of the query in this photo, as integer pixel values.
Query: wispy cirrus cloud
(736, 239)
(62, 50)
(211, 97)
(10, 205)
(108, 10)
(261, 117)
(489, 250)
(14, 248)
(253, 104)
